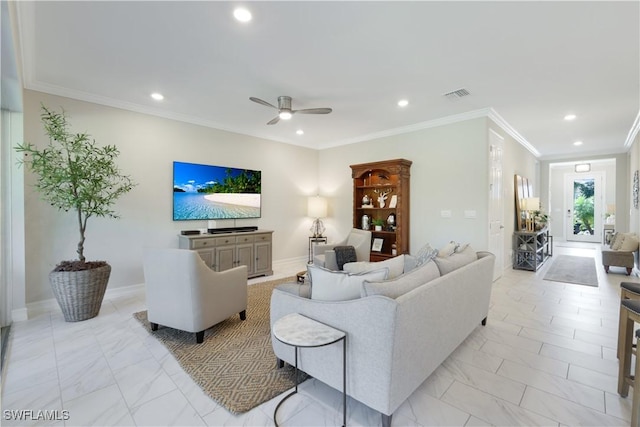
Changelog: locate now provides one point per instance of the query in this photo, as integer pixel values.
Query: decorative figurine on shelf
(366, 201)
(365, 222)
(382, 196)
(391, 222)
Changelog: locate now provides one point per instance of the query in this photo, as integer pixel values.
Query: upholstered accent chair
(622, 252)
(325, 255)
(183, 293)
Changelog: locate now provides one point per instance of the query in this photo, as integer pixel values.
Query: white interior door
(583, 206)
(496, 202)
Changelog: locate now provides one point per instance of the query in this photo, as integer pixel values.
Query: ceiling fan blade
(275, 120)
(260, 101)
(313, 111)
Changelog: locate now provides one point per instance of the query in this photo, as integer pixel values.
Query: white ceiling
(528, 63)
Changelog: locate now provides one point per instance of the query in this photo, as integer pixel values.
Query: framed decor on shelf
(377, 244)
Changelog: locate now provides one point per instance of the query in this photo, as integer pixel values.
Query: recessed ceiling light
(157, 96)
(242, 14)
(300, 132)
(577, 143)
(403, 103)
(570, 117)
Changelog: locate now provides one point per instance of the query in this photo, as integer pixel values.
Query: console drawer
(203, 243)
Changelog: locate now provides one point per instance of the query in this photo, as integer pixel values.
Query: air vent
(457, 94)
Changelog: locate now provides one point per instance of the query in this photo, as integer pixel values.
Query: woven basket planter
(80, 293)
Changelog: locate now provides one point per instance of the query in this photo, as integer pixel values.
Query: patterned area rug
(573, 269)
(235, 364)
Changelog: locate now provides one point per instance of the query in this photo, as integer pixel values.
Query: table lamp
(317, 208)
(530, 205)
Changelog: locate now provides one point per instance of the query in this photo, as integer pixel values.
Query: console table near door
(299, 331)
(531, 249)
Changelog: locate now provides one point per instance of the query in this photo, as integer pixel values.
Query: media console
(250, 247)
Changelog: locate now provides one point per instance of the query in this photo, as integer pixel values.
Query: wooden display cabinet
(386, 181)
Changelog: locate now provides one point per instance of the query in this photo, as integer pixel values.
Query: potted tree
(74, 174)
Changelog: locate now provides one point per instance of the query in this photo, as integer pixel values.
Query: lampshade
(611, 209)
(317, 207)
(531, 204)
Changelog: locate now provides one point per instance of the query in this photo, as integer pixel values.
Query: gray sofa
(393, 344)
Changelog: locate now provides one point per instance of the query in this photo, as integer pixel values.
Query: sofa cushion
(395, 265)
(402, 284)
(328, 285)
(455, 261)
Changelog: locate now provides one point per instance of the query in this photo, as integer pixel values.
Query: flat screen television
(215, 192)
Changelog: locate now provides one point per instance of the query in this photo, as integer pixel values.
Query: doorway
(496, 202)
(583, 206)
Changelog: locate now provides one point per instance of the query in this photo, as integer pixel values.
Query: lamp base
(317, 228)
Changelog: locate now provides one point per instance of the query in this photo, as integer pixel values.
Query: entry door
(583, 206)
(496, 202)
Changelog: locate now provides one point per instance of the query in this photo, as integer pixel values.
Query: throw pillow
(461, 247)
(395, 265)
(455, 261)
(410, 262)
(616, 241)
(403, 284)
(425, 254)
(629, 243)
(328, 285)
(447, 250)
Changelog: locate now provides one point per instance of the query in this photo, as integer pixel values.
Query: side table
(314, 241)
(299, 331)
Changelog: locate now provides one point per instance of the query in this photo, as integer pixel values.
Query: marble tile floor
(546, 357)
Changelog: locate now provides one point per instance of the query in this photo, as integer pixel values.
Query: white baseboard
(38, 307)
(19, 315)
(48, 305)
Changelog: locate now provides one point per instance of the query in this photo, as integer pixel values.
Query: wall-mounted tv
(215, 192)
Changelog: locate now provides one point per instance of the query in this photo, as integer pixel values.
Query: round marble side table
(299, 331)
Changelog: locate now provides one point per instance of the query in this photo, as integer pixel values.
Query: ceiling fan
(284, 109)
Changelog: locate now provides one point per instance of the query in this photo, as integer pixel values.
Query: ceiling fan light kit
(284, 109)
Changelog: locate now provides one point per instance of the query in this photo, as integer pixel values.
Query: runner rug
(573, 269)
(235, 364)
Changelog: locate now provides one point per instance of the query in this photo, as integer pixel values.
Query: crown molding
(410, 128)
(502, 123)
(484, 112)
(631, 136)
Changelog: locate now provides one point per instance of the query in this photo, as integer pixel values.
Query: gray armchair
(183, 293)
(325, 256)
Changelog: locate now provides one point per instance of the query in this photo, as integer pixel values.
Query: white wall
(449, 172)
(148, 146)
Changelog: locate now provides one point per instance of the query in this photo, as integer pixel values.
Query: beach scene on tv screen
(215, 192)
